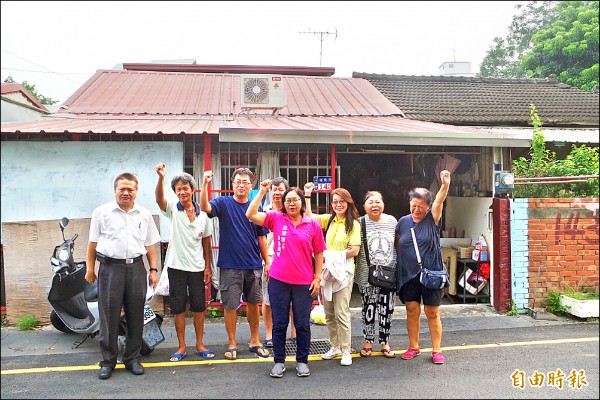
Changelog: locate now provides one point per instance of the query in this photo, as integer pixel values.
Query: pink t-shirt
(294, 247)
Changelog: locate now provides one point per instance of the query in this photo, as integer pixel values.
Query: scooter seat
(91, 292)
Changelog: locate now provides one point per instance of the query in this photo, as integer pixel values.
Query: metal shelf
(474, 265)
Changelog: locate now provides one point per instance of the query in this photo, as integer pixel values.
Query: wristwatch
(153, 269)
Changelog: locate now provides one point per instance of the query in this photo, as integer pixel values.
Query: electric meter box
(504, 183)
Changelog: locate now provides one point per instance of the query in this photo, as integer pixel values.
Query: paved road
(483, 349)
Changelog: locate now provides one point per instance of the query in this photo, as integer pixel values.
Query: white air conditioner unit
(262, 91)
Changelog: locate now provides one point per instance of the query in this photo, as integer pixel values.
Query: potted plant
(580, 303)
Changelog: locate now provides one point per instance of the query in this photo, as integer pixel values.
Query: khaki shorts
(233, 283)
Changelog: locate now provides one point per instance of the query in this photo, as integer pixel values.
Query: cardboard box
(470, 288)
(464, 252)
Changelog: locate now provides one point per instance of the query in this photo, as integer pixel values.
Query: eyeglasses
(292, 201)
(340, 202)
(241, 183)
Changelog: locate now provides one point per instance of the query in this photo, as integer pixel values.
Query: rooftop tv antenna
(320, 35)
(454, 50)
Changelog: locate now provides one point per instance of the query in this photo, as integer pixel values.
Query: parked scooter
(74, 301)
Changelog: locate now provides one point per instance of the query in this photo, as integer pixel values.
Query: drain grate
(317, 346)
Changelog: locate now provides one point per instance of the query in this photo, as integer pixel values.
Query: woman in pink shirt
(291, 278)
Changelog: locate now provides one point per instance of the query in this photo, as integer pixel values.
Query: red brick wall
(563, 241)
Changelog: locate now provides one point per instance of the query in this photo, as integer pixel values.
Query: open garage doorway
(391, 174)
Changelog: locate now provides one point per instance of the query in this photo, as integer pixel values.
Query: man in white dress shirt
(121, 232)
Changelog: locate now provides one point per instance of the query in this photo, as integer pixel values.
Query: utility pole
(320, 35)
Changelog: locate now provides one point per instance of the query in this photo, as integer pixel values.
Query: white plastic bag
(317, 315)
(162, 287)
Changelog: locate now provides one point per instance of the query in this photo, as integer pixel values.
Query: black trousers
(121, 286)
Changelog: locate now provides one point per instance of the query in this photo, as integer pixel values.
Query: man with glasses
(241, 246)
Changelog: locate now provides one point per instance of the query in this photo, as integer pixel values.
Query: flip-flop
(176, 357)
(389, 353)
(231, 352)
(366, 352)
(268, 343)
(255, 350)
(207, 354)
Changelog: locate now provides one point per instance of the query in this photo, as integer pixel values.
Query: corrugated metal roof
(181, 93)
(171, 124)
(106, 124)
(230, 69)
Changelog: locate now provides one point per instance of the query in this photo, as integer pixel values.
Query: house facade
(553, 242)
(344, 132)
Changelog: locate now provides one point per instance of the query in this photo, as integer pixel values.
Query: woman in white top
(380, 232)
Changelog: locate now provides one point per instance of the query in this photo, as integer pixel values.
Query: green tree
(580, 161)
(569, 48)
(47, 101)
(503, 59)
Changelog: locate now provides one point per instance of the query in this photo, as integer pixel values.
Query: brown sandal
(389, 353)
(366, 352)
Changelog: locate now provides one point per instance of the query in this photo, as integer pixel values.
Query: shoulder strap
(412, 232)
(363, 228)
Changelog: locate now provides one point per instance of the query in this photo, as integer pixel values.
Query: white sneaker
(331, 353)
(346, 358)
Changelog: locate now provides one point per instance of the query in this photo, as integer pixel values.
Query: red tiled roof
(487, 101)
(186, 93)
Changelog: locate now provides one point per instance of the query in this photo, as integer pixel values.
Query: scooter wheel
(58, 323)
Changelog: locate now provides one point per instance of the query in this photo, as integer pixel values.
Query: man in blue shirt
(241, 246)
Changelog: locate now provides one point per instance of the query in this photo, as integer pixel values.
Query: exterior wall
(456, 68)
(51, 180)
(556, 246)
(27, 249)
(12, 112)
(519, 233)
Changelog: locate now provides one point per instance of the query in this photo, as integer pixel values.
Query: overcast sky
(59, 45)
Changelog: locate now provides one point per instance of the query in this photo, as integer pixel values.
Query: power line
(41, 66)
(46, 72)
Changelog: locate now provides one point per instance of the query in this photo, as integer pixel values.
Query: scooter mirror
(64, 222)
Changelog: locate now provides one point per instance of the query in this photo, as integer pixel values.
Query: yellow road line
(290, 359)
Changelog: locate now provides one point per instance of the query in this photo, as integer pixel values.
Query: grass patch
(26, 322)
(584, 295)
